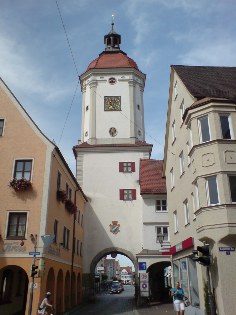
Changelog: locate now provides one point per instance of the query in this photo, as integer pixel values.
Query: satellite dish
(47, 239)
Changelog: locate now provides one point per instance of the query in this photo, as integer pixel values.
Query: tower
(108, 157)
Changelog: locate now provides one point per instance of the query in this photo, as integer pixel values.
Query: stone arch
(67, 291)
(158, 287)
(50, 284)
(111, 250)
(59, 295)
(73, 288)
(13, 290)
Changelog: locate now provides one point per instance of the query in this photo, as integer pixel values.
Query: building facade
(200, 170)
(42, 207)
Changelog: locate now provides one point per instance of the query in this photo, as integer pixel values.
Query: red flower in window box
(70, 206)
(61, 195)
(20, 184)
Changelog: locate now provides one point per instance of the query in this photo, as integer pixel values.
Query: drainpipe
(73, 249)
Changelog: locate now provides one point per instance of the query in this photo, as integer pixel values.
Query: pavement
(155, 309)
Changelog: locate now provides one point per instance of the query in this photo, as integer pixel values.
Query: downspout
(73, 248)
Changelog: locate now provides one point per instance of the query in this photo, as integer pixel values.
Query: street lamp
(160, 238)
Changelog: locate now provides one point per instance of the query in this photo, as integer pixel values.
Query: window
(23, 169)
(181, 161)
(190, 136)
(87, 108)
(70, 193)
(212, 190)
(225, 126)
(175, 90)
(176, 224)
(16, 225)
(1, 126)
(126, 167)
(182, 110)
(232, 183)
(204, 131)
(58, 180)
(77, 247)
(66, 238)
(138, 107)
(74, 242)
(188, 150)
(55, 230)
(172, 178)
(127, 194)
(78, 216)
(161, 205)
(196, 196)
(81, 249)
(194, 207)
(186, 212)
(173, 131)
(67, 191)
(82, 219)
(164, 231)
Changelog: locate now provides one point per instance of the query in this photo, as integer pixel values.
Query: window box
(61, 195)
(20, 184)
(70, 206)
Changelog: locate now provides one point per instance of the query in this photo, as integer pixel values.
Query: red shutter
(121, 194)
(134, 194)
(120, 166)
(133, 166)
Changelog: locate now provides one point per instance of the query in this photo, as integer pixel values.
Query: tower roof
(112, 56)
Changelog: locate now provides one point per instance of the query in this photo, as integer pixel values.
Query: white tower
(112, 144)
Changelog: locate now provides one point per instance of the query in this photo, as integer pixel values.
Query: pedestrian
(46, 308)
(178, 295)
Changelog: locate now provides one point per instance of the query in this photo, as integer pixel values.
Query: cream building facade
(40, 214)
(200, 170)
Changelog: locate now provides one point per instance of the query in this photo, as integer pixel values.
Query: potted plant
(20, 184)
(70, 206)
(61, 195)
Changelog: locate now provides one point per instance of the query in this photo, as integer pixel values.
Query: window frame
(58, 180)
(200, 129)
(221, 115)
(18, 214)
(172, 178)
(161, 227)
(181, 162)
(182, 110)
(66, 237)
(161, 205)
(24, 161)
(209, 193)
(127, 194)
(2, 128)
(176, 222)
(55, 229)
(173, 132)
(233, 200)
(126, 167)
(186, 212)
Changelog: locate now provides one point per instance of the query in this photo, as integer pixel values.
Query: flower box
(70, 206)
(61, 195)
(20, 184)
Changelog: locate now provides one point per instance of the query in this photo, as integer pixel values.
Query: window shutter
(133, 166)
(134, 194)
(120, 166)
(121, 194)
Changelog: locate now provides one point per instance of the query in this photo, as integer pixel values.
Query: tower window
(87, 108)
(138, 107)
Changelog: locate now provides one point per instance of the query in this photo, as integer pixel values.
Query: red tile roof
(150, 176)
(112, 59)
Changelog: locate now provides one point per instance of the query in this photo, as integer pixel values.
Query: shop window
(16, 225)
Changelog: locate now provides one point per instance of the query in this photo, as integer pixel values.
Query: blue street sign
(227, 249)
(34, 253)
(142, 266)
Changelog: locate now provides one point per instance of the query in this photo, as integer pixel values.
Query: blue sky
(36, 62)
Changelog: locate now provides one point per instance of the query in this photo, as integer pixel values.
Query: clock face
(112, 103)
(113, 131)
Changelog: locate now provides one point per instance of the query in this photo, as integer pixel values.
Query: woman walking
(178, 295)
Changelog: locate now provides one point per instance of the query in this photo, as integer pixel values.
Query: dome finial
(112, 40)
(112, 21)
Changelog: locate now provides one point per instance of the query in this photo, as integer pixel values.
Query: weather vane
(112, 20)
